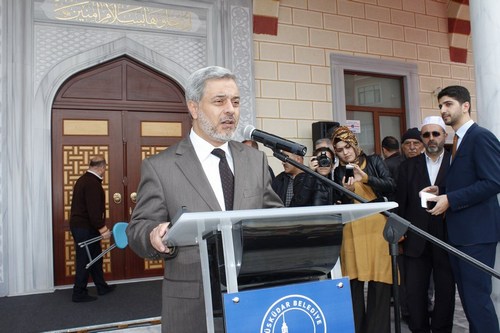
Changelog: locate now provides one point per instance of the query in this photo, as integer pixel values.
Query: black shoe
(83, 298)
(106, 290)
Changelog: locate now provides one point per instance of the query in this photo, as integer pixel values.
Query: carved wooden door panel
(84, 134)
(148, 133)
(126, 112)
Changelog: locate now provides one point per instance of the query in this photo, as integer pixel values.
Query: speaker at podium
(251, 259)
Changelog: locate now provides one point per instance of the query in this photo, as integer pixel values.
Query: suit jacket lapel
(466, 136)
(421, 167)
(443, 169)
(464, 141)
(241, 163)
(189, 164)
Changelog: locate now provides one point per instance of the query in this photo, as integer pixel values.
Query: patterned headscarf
(343, 133)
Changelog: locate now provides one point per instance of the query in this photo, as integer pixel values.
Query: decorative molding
(459, 29)
(265, 25)
(186, 52)
(152, 17)
(56, 43)
(265, 17)
(242, 63)
(3, 255)
(339, 63)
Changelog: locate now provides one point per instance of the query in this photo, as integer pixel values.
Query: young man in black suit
(471, 205)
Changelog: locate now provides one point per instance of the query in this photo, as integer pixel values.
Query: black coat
(379, 178)
(310, 191)
(413, 177)
(280, 185)
(393, 163)
(88, 203)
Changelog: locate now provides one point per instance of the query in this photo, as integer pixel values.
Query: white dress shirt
(433, 167)
(210, 163)
(462, 130)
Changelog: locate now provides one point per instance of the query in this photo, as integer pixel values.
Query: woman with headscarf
(364, 253)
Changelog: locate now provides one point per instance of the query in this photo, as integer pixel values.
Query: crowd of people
(429, 275)
(195, 173)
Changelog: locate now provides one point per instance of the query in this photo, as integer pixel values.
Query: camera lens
(323, 160)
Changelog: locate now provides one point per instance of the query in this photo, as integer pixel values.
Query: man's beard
(211, 129)
(434, 149)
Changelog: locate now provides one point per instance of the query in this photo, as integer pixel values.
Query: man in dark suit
(283, 183)
(392, 155)
(471, 205)
(87, 221)
(186, 175)
(423, 260)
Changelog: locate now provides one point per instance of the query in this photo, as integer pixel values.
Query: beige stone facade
(292, 70)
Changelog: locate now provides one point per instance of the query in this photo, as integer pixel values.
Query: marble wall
(486, 57)
(3, 252)
(484, 24)
(46, 44)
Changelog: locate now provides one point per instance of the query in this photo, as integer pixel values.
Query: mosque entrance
(126, 112)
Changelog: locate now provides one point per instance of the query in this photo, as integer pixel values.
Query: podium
(247, 245)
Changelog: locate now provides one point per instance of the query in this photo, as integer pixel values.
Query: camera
(323, 160)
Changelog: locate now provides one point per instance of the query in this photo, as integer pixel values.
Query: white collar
(92, 172)
(203, 148)
(464, 128)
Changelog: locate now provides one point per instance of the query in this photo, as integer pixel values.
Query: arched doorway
(125, 111)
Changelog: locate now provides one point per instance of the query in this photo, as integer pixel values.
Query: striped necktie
(226, 177)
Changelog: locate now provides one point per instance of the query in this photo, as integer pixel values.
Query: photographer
(309, 191)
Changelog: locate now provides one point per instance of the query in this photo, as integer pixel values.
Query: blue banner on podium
(313, 307)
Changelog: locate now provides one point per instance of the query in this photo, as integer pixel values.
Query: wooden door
(148, 133)
(126, 112)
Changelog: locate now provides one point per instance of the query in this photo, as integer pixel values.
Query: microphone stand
(395, 228)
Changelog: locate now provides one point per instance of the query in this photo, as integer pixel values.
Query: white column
(28, 233)
(486, 48)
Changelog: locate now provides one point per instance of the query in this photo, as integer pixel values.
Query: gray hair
(326, 141)
(196, 82)
(97, 161)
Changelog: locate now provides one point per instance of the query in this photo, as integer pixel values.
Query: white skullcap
(434, 120)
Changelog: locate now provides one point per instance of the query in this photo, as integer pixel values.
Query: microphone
(273, 141)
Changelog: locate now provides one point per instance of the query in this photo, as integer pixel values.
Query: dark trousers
(402, 286)
(434, 262)
(376, 316)
(474, 287)
(82, 274)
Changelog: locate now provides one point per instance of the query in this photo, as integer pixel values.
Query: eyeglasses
(341, 149)
(427, 135)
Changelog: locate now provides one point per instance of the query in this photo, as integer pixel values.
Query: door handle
(117, 198)
(133, 197)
